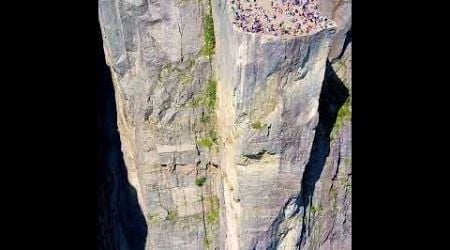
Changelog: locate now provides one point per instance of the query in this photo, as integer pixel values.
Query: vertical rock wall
(161, 76)
(264, 165)
(268, 91)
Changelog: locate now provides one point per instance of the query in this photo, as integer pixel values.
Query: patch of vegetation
(334, 197)
(210, 39)
(204, 119)
(348, 161)
(153, 218)
(207, 98)
(197, 101)
(169, 67)
(210, 92)
(200, 181)
(208, 242)
(172, 215)
(206, 142)
(212, 219)
(315, 209)
(344, 115)
(209, 141)
(258, 125)
(213, 215)
(185, 79)
(214, 137)
(191, 63)
(214, 201)
(183, 73)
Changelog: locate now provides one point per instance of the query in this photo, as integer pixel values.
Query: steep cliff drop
(234, 137)
(121, 223)
(268, 91)
(165, 93)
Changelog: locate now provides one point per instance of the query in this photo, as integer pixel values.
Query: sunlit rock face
(161, 74)
(227, 145)
(268, 98)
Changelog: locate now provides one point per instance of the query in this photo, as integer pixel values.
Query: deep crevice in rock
(333, 96)
(121, 223)
(256, 156)
(347, 41)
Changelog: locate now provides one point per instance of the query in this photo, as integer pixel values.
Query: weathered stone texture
(274, 150)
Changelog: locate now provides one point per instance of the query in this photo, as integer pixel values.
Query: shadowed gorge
(121, 223)
(333, 96)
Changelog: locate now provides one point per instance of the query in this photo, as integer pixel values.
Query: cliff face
(241, 146)
(268, 91)
(327, 187)
(121, 223)
(166, 122)
(341, 12)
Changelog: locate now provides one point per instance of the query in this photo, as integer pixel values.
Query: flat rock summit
(279, 17)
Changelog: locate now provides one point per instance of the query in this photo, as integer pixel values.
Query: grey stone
(272, 169)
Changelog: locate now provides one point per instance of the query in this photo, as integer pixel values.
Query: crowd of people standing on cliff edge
(291, 17)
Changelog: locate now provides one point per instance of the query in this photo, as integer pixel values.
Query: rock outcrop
(232, 140)
(268, 95)
(341, 12)
(162, 78)
(121, 222)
